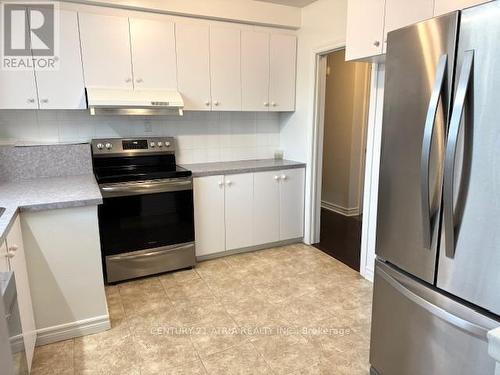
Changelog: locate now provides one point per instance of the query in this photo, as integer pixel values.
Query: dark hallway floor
(341, 237)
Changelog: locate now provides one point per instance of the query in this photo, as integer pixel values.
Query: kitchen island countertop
(46, 194)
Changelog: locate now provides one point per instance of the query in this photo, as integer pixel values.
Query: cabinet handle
(376, 43)
(229, 183)
(274, 104)
(207, 103)
(128, 80)
(221, 183)
(276, 178)
(284, 177)
(216, 103)
(31, 100)
(139, 80)
(45, 101)
(266, 104)
(13, 248)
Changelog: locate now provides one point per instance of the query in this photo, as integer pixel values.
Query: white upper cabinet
(282, 66)
(105, 45)
(266, 203)
(64, 88)
(365, 28)
(239, 210)
(292, 203)
(18, 90)
(153, 54)
(193, 65)
(225, 68)
(446, 6)
(255, 70)
(368, 22)
(209, 215)
(401, 13)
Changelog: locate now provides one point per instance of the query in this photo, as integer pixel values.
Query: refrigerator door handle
(430, 121)
(451, 148)
(462, 324)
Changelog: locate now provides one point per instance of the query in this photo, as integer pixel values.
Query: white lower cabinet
(292, 203)
(209, 215)
(266, 204)
(17, 261)
(249, 209)
(239, 195)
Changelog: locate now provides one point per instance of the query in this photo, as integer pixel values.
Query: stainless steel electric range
(146, 221)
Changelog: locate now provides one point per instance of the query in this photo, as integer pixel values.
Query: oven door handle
(147, 187)
(148, 254)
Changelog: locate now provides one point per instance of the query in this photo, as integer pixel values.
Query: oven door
(145, 215)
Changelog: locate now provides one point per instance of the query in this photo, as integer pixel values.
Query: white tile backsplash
(201, 136)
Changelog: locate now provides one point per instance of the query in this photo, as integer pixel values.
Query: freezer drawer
(418, 331)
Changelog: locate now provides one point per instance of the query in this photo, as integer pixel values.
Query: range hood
(134, 102)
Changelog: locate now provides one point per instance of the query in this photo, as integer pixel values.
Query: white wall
(201, 136)
(63, 256)
(323, 24)
(254, 12)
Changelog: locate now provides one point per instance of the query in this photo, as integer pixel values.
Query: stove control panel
(129, 146)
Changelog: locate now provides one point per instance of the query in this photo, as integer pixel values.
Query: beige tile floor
(288, 310)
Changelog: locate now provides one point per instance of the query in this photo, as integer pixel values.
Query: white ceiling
(292, 3)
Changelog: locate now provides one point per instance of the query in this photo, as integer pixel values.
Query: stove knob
(109, 146)
(167, 144)
(160, 144)
(152, 144)
(100, 146)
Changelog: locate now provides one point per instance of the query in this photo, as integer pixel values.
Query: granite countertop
(242, 166)
(46, 194)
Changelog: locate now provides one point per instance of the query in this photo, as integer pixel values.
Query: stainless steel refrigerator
(437, 274)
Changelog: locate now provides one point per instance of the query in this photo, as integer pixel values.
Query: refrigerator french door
(437, 276)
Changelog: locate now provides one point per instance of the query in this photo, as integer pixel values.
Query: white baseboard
(71, 330)
(368, 274)
(250, 248)
(353, 211)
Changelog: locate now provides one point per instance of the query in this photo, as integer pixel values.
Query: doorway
(344, 114)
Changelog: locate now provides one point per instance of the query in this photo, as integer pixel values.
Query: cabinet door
(239, 211)
(18, 266)
(401, 13)
(282, 64)
(266, 207)
(153, 54)
(18, 89)
(209, 215)
(446, 6)
(105, 45)
(193, 65)
(291, 203)
(255, 70)
(64, 88)
(225, 68)
(365, 28)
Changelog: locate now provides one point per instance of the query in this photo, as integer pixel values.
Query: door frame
(320, 65)
(369, 196)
